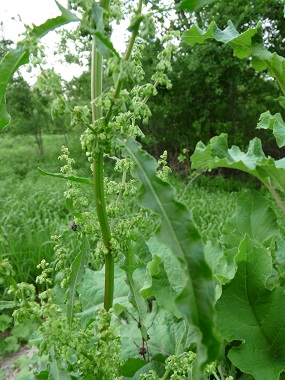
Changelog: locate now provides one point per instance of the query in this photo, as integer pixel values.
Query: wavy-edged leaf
(217, 154)
(165, 279)
(274, 62)
(67, 177)
(244, 44)
(221, 263)
(56, 372)
(276, 124)
(254, 315)
(253, 217)
(193, 5)
(177, 230)
(76, 275)
(241, 43)
(20, 56)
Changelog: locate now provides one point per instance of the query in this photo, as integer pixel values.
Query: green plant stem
(98, 163)
(165, 376)
(98, 172)
(276, 197)
(276, 75)
(113, 220)
(127, 57)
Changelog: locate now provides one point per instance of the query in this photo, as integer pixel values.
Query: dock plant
(142, 295)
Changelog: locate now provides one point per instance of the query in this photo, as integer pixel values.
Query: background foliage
(144, 266)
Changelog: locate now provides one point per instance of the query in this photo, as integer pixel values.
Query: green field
(33, 206)
(32, 209)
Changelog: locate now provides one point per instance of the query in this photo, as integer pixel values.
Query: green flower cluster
(44, 277)
(61, 267)
(6, 270)
(34, 46)
(93, 351)
(180, 365)
(28, 309)
(163, 169)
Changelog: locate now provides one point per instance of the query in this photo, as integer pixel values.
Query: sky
(12, 12)
(30, 11)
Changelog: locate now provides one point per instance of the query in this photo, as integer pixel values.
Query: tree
(213, 91)
(29, 110)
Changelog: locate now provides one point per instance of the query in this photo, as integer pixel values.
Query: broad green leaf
(165, 279)
(67, 177)
(91, 292)
(7, 305)
(221, 263)
(158, 286)
(76, 275)
(5, 322)
(10, 344)
(20, 56)
(177, 230)
(244, 44)
(276, 124)
(280, 253)
(166, 334)
(253, 217)
(157, 367)
(281, 101)
(252, 314)
(217, 154)
(24, 330)
(241, 43)
(193, 5)
(275, 64)
(56, 372)
(131, 366)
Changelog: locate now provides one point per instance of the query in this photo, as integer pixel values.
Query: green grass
(211, 200)
(32, 207)
(29, 216)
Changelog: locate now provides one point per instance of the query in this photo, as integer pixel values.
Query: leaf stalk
(276, 196)
(98, 173)
(98, 163)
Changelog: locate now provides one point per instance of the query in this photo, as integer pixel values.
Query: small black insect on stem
(73, 226)
(144, 349)
(150, 303)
